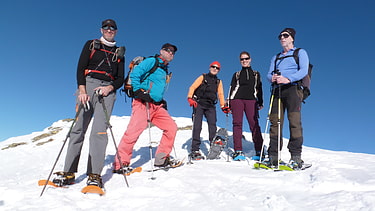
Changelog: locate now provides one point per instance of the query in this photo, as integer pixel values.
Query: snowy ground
(336, 181)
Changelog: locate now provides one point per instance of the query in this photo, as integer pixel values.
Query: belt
(87, 71)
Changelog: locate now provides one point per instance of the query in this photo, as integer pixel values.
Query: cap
(170, 46)
(109, 22)
(290, 31)
(215, 63)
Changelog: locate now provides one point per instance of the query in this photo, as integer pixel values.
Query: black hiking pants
(209, 113)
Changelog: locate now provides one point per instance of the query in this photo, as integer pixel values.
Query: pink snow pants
(137, 124)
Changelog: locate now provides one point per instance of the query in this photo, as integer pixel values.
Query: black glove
(142, 95)
(225, 109)
(164, 102)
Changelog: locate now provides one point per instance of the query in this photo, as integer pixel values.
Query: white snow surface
(336, 180)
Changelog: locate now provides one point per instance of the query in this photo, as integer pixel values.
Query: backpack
(305, 81)
(128, 89)
(201, 93)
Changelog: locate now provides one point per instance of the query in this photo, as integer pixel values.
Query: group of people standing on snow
(100, 73)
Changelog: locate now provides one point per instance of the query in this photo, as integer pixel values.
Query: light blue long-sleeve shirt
(288, 67)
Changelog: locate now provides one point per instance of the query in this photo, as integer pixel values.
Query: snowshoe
(63, 178)
(296, 163)
(218, 144)
(94, 185)
(168, 164)
(127, 170)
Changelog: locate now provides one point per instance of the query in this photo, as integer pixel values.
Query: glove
(192, 102)
(142, 95)
(164, 102)
(226, 109)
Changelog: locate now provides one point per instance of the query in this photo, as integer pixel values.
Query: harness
(96, 45)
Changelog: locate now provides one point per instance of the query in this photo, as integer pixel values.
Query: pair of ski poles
(278, 124)
(101, 100)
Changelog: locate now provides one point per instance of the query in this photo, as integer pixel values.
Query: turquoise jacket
(155, 84)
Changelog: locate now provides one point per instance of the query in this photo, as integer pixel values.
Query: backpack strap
(153, 69)
(96, 45)
(295, 56)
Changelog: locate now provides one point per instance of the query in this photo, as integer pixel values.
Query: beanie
(290, 31)
(215, 63)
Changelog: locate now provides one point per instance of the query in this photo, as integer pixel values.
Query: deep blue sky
(41, 43)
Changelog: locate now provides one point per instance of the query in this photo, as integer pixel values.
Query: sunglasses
(283, 35)
(242, 59)
(109, 27)
(169, 50)
(215, 67)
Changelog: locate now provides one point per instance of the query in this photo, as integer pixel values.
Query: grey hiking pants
(291, 100)
(98, 137)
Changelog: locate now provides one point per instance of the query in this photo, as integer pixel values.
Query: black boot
(64, 178)
(196, 155)
(95, 179)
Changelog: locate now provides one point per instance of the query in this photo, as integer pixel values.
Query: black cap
(109, 22)
(170, 46)
(290, 31)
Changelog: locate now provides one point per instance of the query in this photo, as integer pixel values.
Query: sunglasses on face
(215, 67)
(109, 27)
(169, 50)
(283, 35)
(243, 59)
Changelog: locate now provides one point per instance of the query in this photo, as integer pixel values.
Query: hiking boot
(64, 178)
(122, 171)
(296, 162)
(196, 155)
(273, 160)
(166, 163)
(95, 179)
(238, 155)
(257, 156)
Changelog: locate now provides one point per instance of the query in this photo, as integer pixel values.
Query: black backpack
(128, 89)
(305, 81)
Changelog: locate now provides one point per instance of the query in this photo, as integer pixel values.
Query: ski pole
(279, 129)
(62, 147)
(226, 135)
(101, 100)
(149, 136)
(192, 131)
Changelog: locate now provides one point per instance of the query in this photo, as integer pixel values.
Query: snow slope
(336, 181)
